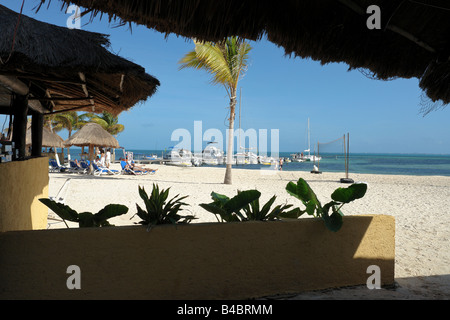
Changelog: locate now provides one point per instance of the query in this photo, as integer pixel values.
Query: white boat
(267, 161)
(178, 157)
(309, 157)
(246, 158)
(212, 155)
(151, 157)
(297, 157)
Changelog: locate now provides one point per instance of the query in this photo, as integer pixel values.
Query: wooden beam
(122, 78)
(37, 125)
(70, 109)
(84, 87)
(14, 84)
(20, 109)
(59, 98)
(42, 78)
(37, 106)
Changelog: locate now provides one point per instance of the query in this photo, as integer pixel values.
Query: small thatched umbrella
(49, 139)
(92, 135)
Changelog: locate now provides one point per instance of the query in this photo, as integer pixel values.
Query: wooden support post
(37, 124)
(20, 111)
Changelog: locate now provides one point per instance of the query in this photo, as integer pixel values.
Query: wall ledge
(197, 261)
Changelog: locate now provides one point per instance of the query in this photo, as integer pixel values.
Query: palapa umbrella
(49, 139)
(92, 135)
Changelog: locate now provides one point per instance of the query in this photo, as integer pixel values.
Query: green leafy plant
(86, 219)
(160, 211)
(341, 196)
(245, 206)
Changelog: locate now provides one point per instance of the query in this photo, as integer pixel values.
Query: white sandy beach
(420, 206)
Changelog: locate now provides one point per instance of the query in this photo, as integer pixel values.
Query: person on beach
(131, 165)
(108, 157)
(78, 164)
(281, 164)
(102, 157)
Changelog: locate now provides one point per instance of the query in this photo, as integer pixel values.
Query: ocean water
(396, 164)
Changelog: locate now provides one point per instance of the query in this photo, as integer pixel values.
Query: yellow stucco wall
(197, 261)
(22, 183)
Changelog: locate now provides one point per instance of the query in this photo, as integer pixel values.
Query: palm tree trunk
(228, 175)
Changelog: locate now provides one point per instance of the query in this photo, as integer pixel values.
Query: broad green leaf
(311, 208)
(213, 208)
(291, 188)
(333, 222)
(241, 200)
(219, 197)
(110, 211)
(62, 210)
(86, 220)
(327, 206)
(303, 192)
(292, 214)
(353, 192)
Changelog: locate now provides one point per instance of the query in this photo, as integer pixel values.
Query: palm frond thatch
(68, 63)
(413, 41)
(92, 134)
(49, 139)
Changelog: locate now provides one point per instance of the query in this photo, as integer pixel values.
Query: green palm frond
(100, 121)
(225, 61)
(107, 121)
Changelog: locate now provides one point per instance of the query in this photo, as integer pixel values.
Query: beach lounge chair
(55, 167)
(126, 169)
(75, 168)
(98, 171)
(60, 197)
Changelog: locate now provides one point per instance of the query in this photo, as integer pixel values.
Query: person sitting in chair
(131, 165)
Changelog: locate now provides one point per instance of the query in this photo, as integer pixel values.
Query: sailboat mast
(309, 141)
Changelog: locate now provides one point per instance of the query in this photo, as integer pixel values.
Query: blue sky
(278, 92)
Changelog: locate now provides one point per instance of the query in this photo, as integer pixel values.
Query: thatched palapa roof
(92, 134)
(49, 139)
(414, 39)
(69, 68)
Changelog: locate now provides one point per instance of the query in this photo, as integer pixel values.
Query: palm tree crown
(108, 122)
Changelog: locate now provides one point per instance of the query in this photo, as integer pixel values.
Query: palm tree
(69, 120)
(227, 62)
(108, 122)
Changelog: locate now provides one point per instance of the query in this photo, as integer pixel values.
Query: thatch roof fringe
(413, 40)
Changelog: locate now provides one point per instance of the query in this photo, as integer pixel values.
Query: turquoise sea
(404, 164)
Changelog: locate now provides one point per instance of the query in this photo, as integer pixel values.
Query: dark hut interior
(48, 69)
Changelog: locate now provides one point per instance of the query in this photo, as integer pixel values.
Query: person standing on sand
(108, 157)
(281, 164)
(102, 157)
